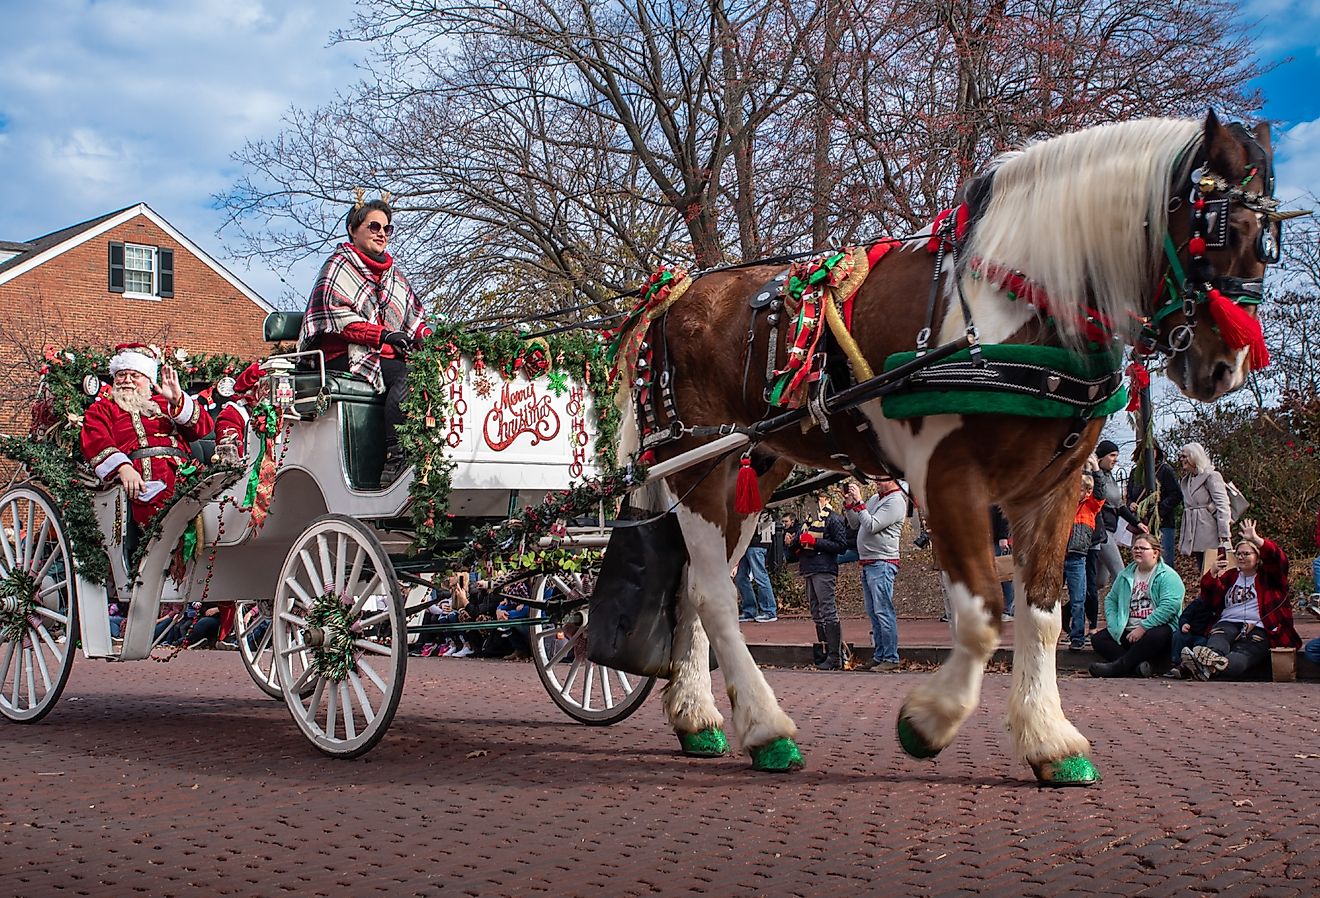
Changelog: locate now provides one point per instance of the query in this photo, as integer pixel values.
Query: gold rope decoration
(851, 284)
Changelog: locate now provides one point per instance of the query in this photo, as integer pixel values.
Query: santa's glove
(398, 340)
(807, 540)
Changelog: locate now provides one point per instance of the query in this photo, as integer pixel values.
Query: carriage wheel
(38, 605)
(339, 636)
(256, 644)
(588, 692)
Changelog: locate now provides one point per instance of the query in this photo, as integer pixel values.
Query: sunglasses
(376, 227)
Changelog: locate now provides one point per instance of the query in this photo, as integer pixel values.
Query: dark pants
(1243, 650)
(1152, 647)
(395, 374)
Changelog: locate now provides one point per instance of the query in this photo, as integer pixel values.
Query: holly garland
(54, 467)
(507, 541)
(427, 407)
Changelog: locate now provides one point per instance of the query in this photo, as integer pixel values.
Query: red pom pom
(1237, 328)
(1196, 246)
(747, 492)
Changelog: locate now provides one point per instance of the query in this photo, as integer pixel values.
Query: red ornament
(1196, 246)
(1199, 204)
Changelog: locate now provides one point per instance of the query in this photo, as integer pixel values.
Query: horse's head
(1223, 230)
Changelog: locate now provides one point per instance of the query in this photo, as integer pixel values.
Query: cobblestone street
(182, 779)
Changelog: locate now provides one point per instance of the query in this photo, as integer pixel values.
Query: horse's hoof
(707, 743)
(913, 742)
(1074, 771)
(779, 756)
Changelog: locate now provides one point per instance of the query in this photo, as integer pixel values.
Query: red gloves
(807, 540)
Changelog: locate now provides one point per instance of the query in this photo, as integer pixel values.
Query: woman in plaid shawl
(365, 317)
(1252, 609)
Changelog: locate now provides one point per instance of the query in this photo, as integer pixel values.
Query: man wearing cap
(136, 433)
(1104, 563)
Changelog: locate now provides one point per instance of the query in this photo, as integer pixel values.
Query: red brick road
(182, 779)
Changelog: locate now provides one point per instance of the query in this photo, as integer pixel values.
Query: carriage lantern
(280, 377)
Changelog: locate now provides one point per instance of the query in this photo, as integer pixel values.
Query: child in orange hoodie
(1081, 537)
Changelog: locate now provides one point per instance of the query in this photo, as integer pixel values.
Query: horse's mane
(1071, 213)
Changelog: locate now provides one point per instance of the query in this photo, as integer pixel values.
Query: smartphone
(1223, 554)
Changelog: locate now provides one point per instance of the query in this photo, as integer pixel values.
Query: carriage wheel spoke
(40, 547)
(304, 678)
(56, 554)
(367, 710)
(303, 598)
(374, 677)
(374, 647)
(350, 723)
(367, 592)
(27, 673)
(327, 566)
(331, 709)
(309, 566)
(49, 614)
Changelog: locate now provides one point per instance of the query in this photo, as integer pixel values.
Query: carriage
(329, 588)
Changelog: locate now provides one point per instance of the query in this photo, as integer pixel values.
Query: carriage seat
(281, 326)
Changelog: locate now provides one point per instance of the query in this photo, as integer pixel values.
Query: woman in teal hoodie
(1141, 611)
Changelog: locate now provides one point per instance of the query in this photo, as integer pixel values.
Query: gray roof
(54, 238)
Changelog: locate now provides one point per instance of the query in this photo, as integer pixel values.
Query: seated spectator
(1140, 610)
(1252, 608)
(1193, 629)
(517, 637)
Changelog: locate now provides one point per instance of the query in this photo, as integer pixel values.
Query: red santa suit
(155, 446)
(231, 425)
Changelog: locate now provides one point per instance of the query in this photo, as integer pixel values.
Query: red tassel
(746, 492)
(1238, 329)
(1138, 380)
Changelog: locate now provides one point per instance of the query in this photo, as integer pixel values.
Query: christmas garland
(508, 540)
(555, 358)
(54, 466)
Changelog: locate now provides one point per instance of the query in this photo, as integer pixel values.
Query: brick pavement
(182, 779)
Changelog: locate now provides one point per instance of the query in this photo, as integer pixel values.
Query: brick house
(128, 275)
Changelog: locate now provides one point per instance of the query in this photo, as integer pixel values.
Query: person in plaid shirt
(364, 316)
(1252, 610)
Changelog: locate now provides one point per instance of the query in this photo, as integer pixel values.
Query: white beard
(131, 400)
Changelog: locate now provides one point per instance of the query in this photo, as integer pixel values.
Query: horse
(1121, 235)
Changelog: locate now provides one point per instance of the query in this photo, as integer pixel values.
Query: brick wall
(66, 302)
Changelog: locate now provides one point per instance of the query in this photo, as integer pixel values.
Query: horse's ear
(1224, 153)
(1262, 135)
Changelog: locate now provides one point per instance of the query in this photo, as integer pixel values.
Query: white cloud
(104, 104)
(1297, 157)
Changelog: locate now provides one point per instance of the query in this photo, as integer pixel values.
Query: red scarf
(376, 268)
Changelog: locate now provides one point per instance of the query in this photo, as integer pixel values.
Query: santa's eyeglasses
(376, 227)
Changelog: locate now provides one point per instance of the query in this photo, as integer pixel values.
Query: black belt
(155, 451)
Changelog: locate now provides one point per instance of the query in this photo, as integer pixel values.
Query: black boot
(818, 652)
(1108, 669)
(833, 647)
(395, 463)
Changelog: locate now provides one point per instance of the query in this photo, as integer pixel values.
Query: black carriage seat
(361, 409)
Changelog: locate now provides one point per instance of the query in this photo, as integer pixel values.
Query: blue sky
(104, 104)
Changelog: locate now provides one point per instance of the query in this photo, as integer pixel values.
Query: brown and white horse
(1078, 224)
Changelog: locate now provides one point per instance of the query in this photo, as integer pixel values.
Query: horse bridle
(1212, 198)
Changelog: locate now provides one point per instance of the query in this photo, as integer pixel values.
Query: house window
(141, 271)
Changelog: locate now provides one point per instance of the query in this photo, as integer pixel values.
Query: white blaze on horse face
(1036, 721)
(757, 718)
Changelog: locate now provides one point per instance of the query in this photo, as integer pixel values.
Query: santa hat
(135, 357)
(249, 378)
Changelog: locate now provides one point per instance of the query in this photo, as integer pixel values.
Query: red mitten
(807, 540)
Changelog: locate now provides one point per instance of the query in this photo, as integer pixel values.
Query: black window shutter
(165, 258)
(116, 267)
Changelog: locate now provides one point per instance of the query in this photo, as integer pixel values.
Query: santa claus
(138, 434)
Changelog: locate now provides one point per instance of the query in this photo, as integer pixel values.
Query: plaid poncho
(1271, 595)
(347, 292)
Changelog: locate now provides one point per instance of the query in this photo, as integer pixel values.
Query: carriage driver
(364, 316)
(136, 432)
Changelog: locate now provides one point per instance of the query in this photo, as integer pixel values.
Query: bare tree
(547, 152)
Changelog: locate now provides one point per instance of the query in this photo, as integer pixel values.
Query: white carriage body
(511, 446)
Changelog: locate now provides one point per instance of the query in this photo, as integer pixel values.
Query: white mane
(1070, 213)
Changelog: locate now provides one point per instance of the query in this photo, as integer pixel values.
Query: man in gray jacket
(879, 524)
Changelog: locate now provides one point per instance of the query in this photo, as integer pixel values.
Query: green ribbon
(263, 434)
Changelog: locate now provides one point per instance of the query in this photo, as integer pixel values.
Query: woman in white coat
(1207, 514)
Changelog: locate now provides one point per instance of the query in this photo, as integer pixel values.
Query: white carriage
(322, 590)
